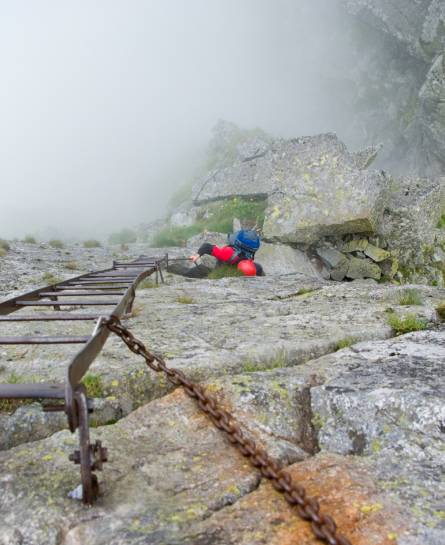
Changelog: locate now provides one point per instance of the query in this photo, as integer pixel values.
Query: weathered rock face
(315, 188)
(431, 116)
(409, 226)
(388, 403)
(173, 478)
(279, 259)
(319, 190)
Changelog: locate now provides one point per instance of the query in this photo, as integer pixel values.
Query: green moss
(306, 291)
(92, 243)
(93, 384)
(376, 446)
(3, 252)
(345, 343)
(410, 296)
(10, 405)
(72, 266)
(29, 239)
(406, 324)
(318, 421)
(441, 222)
(56, 243)
(225, 271)
(278, 362)
(147, 284)
(185, 300)
(441, 311)
(50, 278)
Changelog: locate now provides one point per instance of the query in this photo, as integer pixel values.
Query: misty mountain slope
(361, 425)
(399, 80)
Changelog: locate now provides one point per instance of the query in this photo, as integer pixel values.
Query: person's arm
(222, 254)
(206, 248)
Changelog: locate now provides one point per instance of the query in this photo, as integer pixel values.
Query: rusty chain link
(323, 526)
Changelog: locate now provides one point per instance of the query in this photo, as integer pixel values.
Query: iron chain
(323, 526)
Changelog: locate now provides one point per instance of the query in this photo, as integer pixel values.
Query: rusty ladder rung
(48, 317)
(32, 391)
(80, 293)
(45, 340)
(91, 288)
(64, 303)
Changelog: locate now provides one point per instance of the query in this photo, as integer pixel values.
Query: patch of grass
(3, 252)
(185, 300)
(92, 243)
(29, 239)
(278, 362)
(124, 236)
(136, 311)
(441, 311)
(225, 271)
(10, 405)
(50, 278)
(410, 296)
(441, 222)
(221, 215)
(147, 284)
(56, 243)
(93, 384)
(345, 343)
(4, 245)
(217, 217)
(72, 265)
(406, 324)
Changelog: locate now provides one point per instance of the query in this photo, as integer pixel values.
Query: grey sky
(105, 104)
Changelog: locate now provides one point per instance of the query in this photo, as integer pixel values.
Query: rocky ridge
(362, 427)
(326, 208)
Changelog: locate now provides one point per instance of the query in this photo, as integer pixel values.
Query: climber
(240, 251)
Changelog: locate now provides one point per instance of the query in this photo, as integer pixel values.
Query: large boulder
(282, 259)
(250, 178)
(412, 212)
(320, 190)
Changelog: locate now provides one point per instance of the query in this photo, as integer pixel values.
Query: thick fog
(106, 105)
